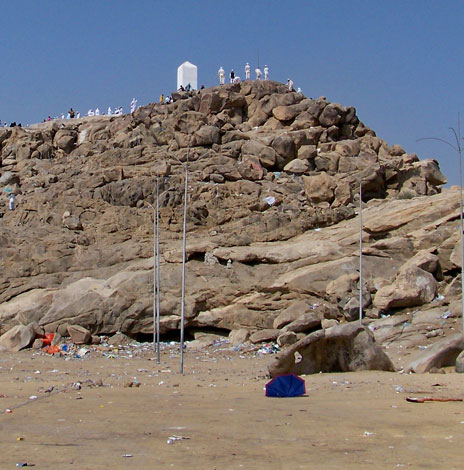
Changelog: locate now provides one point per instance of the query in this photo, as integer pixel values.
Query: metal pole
(158, 360)
(182, 312)
(360, 255)
(458, 148)
(461, 217)
(154, 280)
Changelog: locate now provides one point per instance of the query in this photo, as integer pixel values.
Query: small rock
(460, 363)
(79, 334)
(239, 336)
(289, 337)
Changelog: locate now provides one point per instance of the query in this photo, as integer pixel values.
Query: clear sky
(400, 63)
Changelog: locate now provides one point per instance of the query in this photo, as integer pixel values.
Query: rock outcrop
(272, 217)
(342, 348)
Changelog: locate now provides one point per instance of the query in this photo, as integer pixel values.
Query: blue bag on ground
(288, 385)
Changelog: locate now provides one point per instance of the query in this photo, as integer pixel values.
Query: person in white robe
(133, 105)
(266, 72)
(247, 71)
(258, 73)
(12, 202)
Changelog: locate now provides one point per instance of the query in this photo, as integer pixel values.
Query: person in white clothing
(266, 72)
(12, 202)
(247, 71)
(133, 105)
(291, 87)
(258, 73)
(221, 75)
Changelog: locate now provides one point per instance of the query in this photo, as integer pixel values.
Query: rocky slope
(273, 187)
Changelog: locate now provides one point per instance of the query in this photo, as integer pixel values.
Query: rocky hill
(272, 218)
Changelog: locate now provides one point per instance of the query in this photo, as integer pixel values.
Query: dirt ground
(346, 421)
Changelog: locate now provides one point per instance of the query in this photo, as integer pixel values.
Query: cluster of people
(236, 79)
(13, 124)
(165, 99)
(71, 114)
(259, 75)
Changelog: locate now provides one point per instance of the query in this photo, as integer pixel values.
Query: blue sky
(398, 62)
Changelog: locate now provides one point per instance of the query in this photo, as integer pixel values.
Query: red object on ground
(53, 349)
(47, 341)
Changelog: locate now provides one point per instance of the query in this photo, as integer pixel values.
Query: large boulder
(441, 354)
(319, 188)
(413, 286)
(17, 338)
(342, 348)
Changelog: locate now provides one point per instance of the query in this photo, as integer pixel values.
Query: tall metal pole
(154, 280)
(157, 277)
(360, 255)
(458, 148)
(182, 311)
(461, 217)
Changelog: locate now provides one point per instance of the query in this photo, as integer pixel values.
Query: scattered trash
(132, 383)
(425, 399)
(47, 339)
(25, 464)
(269, 348)
(270, 200)
(367, 434)
(446, 315)
(127, 455)
(33, 397)
(398, 388)
(173, 439)
(289, 385)
(82, 352)
(8, 411)
(19, 438)
(52, 350)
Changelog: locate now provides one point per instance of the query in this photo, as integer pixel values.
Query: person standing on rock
(161, 98)
(221, 75)
(266, 72)
(232, 76)
(109, 112)
(258, 73)
(247, 71)
(133, 105)
(290, 85)
(12, 202)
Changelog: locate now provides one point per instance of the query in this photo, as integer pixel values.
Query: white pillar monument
(187, 74)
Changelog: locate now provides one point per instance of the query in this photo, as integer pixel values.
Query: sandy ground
(346, 421)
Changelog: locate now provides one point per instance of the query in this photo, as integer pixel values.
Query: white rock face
(187, 73)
